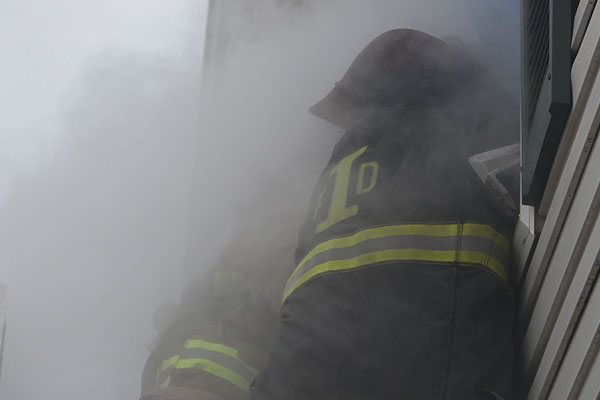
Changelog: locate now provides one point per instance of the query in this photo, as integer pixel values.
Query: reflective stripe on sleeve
(216, 369)
(468, 244)
(217, 359)
(213, 358)
(164, 374)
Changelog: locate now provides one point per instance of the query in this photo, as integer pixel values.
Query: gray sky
(74, 241)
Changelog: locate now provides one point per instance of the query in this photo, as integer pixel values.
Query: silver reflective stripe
(466, 244)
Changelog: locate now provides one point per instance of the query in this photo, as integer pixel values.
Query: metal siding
(570, 312)
(559, 347)
(580, 24)
(582, 125)
(590, 388)
(582, 349)
(552, 282)
(562, 267)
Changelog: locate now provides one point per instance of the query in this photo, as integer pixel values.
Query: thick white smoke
(93, 241)
(280, 58)
(97, 239)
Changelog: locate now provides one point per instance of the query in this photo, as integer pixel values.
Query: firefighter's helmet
(401, 67)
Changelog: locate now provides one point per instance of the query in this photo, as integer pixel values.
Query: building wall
(557, 246)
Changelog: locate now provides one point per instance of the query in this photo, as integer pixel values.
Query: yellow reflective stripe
(475, 257)
(226, 363)
(444, 256)
(166, 364)
(486, 231)
(370, 258)
(219, 348)
(165, 383)
(169, 362)
(203, 344)
(502, 241)
(499, 269)
(450, 229)
(215, 369)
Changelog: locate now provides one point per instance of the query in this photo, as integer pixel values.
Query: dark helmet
(401, 67)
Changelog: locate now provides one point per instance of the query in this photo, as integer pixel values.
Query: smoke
(95, 241)
(142, 194)
(275, 60)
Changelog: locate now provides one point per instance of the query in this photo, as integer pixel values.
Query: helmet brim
(338, 108)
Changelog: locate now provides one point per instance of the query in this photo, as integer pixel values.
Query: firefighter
(401, 288)
(229, 313)
(216, 343)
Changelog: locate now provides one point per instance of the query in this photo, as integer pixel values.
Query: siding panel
(582, 126)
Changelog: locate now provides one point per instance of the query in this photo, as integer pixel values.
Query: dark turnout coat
(402, 285)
